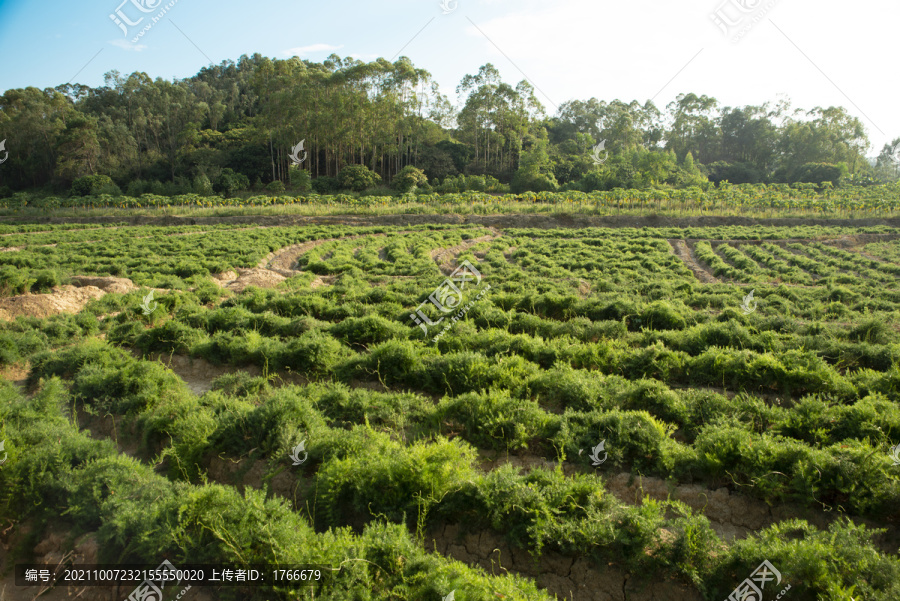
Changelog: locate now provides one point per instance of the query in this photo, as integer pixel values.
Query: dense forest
(233, 126)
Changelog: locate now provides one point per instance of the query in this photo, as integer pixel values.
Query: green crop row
(505, 405)
(63, 480)
(354, 470)
(743, 198)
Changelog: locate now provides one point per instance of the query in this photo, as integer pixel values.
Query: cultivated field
(603, 409)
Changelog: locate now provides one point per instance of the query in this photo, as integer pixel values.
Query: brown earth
(106, 284)
(446, 258)
(681, 250)
(559, 574)
(63, 299)
(70, 298)
(261, 278)
(199, 373)
(15, 373)
(731, 515)
(566, 576)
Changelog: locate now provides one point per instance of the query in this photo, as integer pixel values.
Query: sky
(823, 53)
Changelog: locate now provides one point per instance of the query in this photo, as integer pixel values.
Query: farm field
(754, 200)
(491, 406)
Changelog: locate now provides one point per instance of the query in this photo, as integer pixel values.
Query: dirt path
(681, 250)
(446, 258)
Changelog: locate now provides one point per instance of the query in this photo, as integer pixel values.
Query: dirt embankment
(70, 298)
(568, 221)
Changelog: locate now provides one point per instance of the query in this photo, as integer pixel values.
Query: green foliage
(357, 178)
(408, 178)
(229, 182)
(275, 186)
(91, 185)
(300, 180)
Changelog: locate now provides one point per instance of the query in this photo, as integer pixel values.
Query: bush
(91, 185)
(202, 186)
(819, 173)
(357, 178)
(230, 182)
(494, 419)
(45, 280)
(663, 315)
(300, 180)
(371, 329)
(275, 186)
(408, 179)
(325, 184)
(540, 182)
(313, 352)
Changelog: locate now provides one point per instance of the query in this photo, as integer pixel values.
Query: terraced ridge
(465, 464)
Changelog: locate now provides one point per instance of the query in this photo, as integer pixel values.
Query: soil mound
(106, 284)
(63, 299)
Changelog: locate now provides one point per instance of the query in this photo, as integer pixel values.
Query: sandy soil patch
(63, 299)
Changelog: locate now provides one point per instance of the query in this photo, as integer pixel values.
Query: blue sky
(817, 53)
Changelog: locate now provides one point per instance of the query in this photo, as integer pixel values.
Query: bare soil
(446, 258)
(684, 252)
(566, 576)
(261, 278)
(63, 299)
(70, 298)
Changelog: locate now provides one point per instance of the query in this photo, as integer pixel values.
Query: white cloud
(363, 57)
(635, 50)
(126, 45)
(312, 48)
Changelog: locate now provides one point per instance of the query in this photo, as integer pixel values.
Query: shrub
(325, 184)
(494, 419)
(370, 329)
(275, 186)
(89, 185)
(663, 315)
(391, 479)
(230, 182)
(300, 180)
(313, 352)
(357, 178)
(408, 179)
(202, 186)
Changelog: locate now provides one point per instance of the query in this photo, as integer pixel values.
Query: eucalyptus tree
(820, 135)
(693, 127)
(32, 122)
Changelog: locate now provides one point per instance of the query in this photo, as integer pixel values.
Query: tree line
(234, 126)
